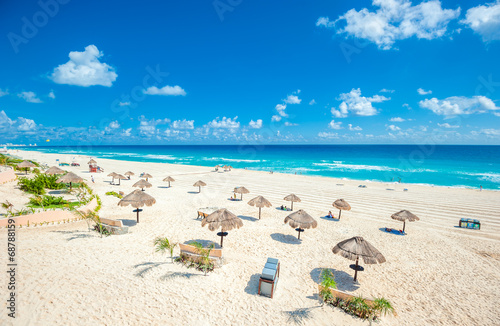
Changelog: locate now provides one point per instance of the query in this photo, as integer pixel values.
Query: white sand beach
(437, 274)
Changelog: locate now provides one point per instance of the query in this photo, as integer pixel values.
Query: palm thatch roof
(54, 170)
(169, 179)
(137, 199)
(129, 173)
(356, 247)
(69, 178)
(405, 215)
(260, 201)
(292, 198)
(92, 161)
(121, 177)
(223, 219)
(199, 183)
(146, 176)
(113, 174)
(142, 184)
(300, 219)
(26, 164)
(241, 190)
(342, 205)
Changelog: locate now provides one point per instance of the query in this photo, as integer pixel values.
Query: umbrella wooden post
(356, 270)
(26, 171)
(259, 211)
(292, 210)
(404, 224)
(299, 230)
(169, 184)
(199, 189)
(70, 186)
(241, 196)
(138, 215)
(340, 213)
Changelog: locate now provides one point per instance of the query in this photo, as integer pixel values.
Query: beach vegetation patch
(163, 245)
(114, 193)
(202, 262)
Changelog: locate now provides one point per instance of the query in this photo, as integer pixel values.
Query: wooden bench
(344, 295)
(192, 251)
(114, 226)
(202, 215)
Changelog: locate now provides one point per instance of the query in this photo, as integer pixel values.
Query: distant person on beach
(92, 177)
(480, 188)
(330, 215)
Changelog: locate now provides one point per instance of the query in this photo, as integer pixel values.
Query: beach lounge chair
(269, 277)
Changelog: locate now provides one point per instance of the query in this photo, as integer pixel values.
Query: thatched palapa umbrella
(92, 161)
(142, 184)
(129, 173)
(241, 190)
(146, 176)
(342, 205)
(69, 177)
(356, 247)
(199, 184)
(301, 220)
(26, 165)
(113, 175)
(137, 199)
(259, 202)
(223, 219)
(169, 179)
(292, 198)
(54, 170)
(120, 177)
(404, 216)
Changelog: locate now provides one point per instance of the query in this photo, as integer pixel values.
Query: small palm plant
(91, 216)
(204, 255)
(327, 281)
(8, 206)
(163, 244)
(383, 307)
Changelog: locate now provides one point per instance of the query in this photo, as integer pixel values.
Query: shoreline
(122, 159)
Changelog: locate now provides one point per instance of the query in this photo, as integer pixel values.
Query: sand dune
(437, 274)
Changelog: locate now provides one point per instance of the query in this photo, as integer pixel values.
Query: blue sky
(238, 71)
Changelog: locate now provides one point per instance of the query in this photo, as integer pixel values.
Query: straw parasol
(169, 179)
(292, 198)
(223, 219)
(404, 216)
(69, 177)
(120, 177)
(26, 165)
(301, 220)
(146, 175)
(199, 184)
(142, 184)
(342, 205)
(259, 202)
(137, 199)
(54, 170)
(128, 174)
(356, 247)
(113, 175)
(241, 190)
(92, 161)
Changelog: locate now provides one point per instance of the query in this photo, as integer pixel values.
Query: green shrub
(39, 183)
(114, 193)
(44, 201)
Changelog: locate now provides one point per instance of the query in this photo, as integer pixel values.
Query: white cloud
(357, 104)
(290, 124)
(4, 92)
(255, 124)
(225, 123)
(52, 95)
(357, 128)
(457, 105)
(280, 108)
(148, 127)
(422, 91)
(393, 128)
(385, 90)
(85, 69)
(485, 21)
(292, 99)
(406, 105)
(166, 90)
(29, 97)
(312, 102)
(335, 125)
(275, 118)
(491, 132)
(114, 125)
(329, 135)
(26, 124)
(5, 121)
(183, 124)
(394, 20)
(397, 119)
(126, 132)
(447, 126)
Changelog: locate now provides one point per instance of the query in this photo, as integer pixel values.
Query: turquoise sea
(441, 165)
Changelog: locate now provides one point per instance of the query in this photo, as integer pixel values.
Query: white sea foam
(231, 160)
(355, 167)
